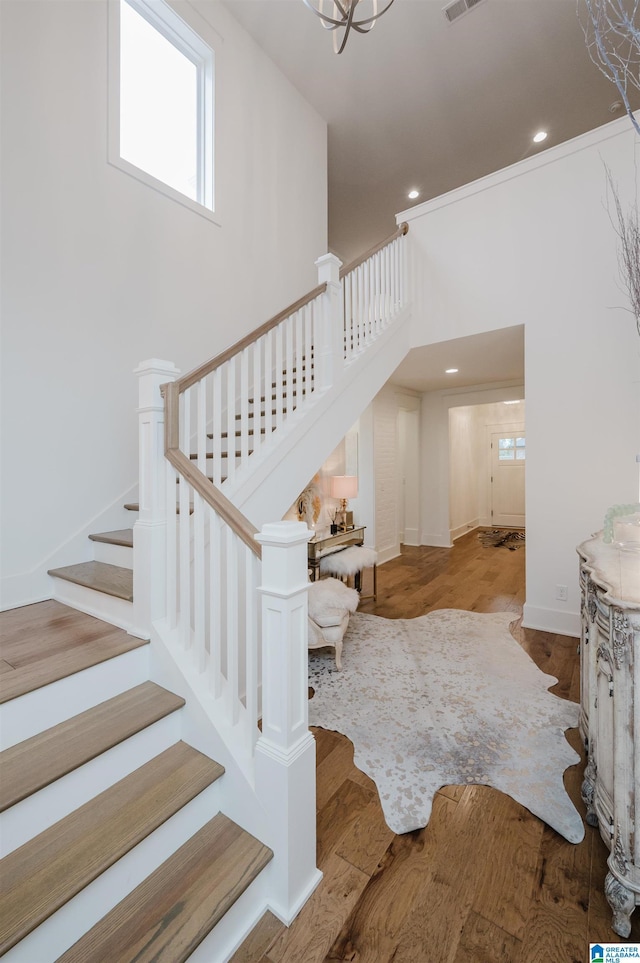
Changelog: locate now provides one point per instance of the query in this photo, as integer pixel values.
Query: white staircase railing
(374, 290)
(198, 569)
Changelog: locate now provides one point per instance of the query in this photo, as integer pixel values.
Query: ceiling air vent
(458, 8)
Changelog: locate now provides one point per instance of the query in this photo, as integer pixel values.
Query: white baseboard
(436, 541)
(386, 554)
(463, 529)
(551, 620)
(411, 536)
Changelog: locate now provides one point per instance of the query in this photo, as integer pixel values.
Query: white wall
(99, 271)
(381, 436)
(534, 245)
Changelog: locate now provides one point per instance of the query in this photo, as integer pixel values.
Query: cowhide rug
(446, 699)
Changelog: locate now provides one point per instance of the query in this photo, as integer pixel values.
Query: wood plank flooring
(485, 881)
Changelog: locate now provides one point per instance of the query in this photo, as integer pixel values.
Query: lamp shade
(344, 486)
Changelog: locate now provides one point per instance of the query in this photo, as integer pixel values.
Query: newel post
(285, 753)
(330, 341)
(149, 532)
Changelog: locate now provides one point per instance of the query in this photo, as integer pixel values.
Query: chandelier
(341, 15)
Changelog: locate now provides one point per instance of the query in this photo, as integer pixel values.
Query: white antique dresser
(610, 714)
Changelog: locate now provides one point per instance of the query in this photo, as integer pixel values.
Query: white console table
(610, 714)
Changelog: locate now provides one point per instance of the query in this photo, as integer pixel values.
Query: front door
(508, 455)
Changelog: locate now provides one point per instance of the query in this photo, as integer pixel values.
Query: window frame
(202, 53)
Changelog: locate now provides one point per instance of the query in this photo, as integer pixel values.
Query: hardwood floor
(485, 881)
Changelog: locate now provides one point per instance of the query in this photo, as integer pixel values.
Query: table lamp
(344, 487)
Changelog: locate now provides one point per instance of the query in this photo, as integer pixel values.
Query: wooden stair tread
(173, 910)
(135, 506)
(41, 876)
(238, 433)
(223, 454)
(209, 478)
(58, 666)
(108, 579)
(123, 536)
(40, 760)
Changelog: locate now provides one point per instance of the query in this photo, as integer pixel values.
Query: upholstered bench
(351, 561)
(331, 603)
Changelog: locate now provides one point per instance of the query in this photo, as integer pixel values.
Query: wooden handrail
(238, 522)
(347, 269)
(227, 511)
(193, 376)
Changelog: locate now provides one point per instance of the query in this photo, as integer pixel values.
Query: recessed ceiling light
(540, 136)
(413, 194)
(451, 371)
(516, 402)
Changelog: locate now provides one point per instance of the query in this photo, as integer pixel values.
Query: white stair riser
(234, 927)
(36, 711)
(56, 934)
(40, 810)
(106, 607)
(113, 554)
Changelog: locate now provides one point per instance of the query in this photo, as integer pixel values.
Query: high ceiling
(423, 103)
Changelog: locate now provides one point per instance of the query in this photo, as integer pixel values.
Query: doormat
(502, 538)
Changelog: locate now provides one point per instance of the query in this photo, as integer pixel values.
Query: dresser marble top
(616, 570)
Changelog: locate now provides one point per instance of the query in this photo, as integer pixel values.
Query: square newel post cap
(283, 533)
(328, 269)
(151, 375)
(157, 366)
(284, 557)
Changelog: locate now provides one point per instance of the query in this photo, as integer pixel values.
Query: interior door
(508, 459)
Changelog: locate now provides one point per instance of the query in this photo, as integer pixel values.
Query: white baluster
(329, 343)
(257, 387)
(215, 605)
(251, 643)
(216, 427)
(278, 400)
(245, 393)
(361, 307)
(368, 281)
(231, 559)
(199, 581)
(298, 338)
(184, 489)
(377, 284)
(230, 369)
(288, 326)
(201, 426)
(394, 255)
(309, 328)
(172, 546)
(387, 286)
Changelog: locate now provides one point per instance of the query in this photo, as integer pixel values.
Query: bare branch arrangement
(612, 32)
(627, 227)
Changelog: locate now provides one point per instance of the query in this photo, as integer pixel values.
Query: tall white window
(164, 128)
